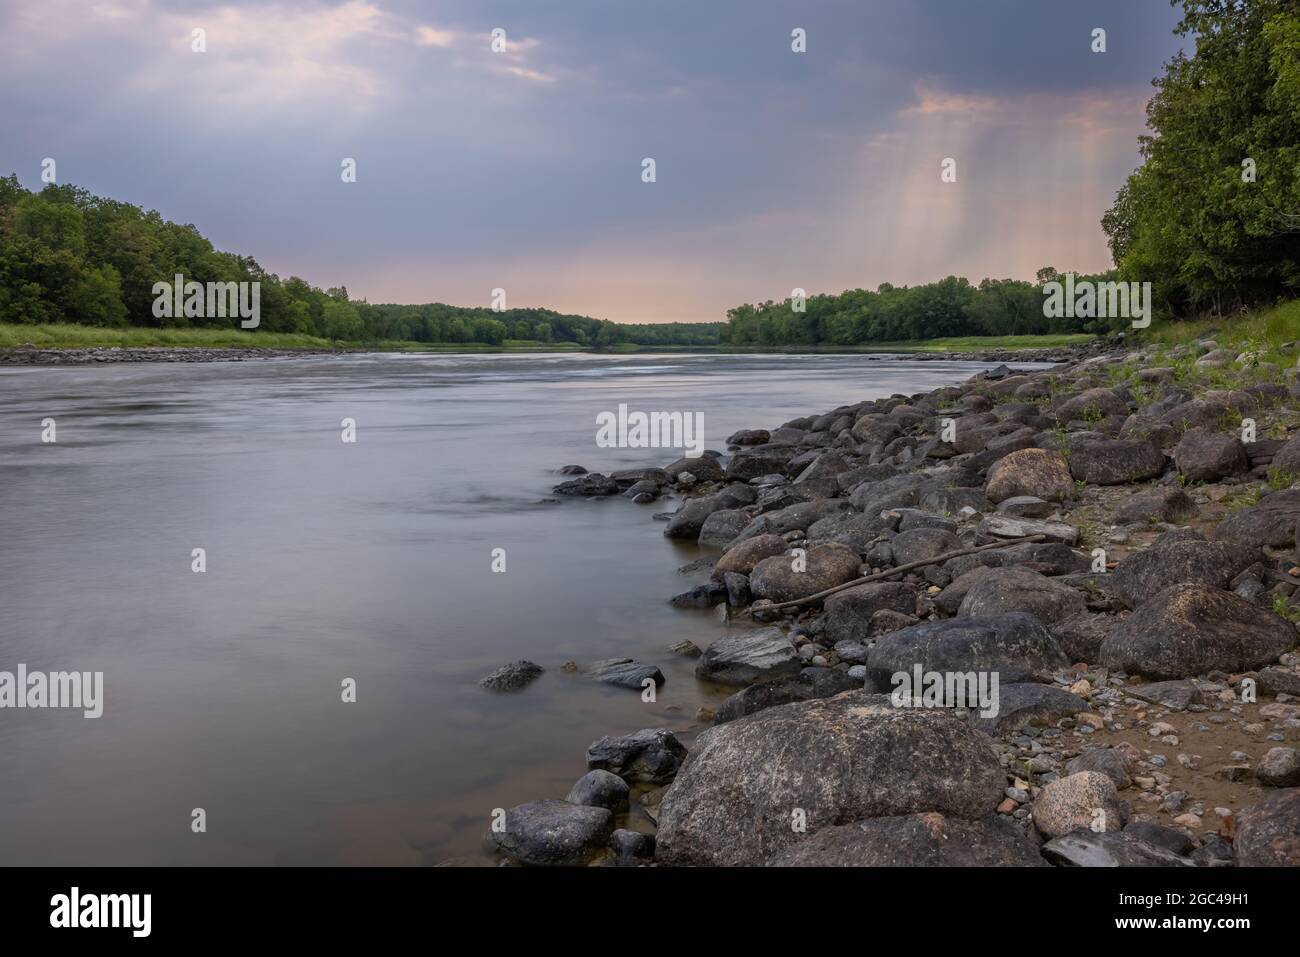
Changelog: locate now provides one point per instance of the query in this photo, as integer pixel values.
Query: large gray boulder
(782, 578)
(1115, 461)
(1205, 456)
(743, 556)
(1271, 522)
(690, 516)
(922, 544)
(1152, 570)
(552, 833)
(743, 659)
(823, 762)
(1015, 645)
(1030, 472)
(1020, 589)
(1191, 629)
(1091, 403)
(848, 613)
(1156, 505)
(1085, 799)
(929, 839)
(1268, 833)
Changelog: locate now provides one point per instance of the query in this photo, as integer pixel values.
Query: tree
(1212, 216)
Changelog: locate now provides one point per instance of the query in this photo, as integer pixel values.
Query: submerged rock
(552, 833)
(511, 677)
(625, 673)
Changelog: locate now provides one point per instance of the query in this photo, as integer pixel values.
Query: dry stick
(764, 609)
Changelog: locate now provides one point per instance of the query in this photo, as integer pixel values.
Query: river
(328, 560)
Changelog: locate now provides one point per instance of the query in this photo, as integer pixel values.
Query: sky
(522, 169)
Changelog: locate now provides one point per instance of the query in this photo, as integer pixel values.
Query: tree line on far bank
(69, 256)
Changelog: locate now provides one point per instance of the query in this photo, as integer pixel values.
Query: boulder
(1191, 629)
(848, 613)
(1156, 505)
(1014, 645)
(810, 683)
(929, 839)
(600, 789)
(1091, 403)
(689, 518)
(631, 848)
(782, 578)
(1115, 461)
(593, 483)
(1172, 839)
(1271, 522)
(1279, 768)
(1268, 833)
(512, 677)
(749, 437)
(1026, 506)
(1087, 848)
(922, 544)
(625, 673)
(758, 461)
(1174, 695)
(1035, 472)
(993, 527)
(1152, 570)
(720, 527)
(1019, 589)
(1112, 762)
(744, 556)
(762, 655)
(648, 756)
(552, 833)
(837, 759)
(1080, 636)
(1204, 456)
(1027, 702)
(1084, 799)
(705, 469)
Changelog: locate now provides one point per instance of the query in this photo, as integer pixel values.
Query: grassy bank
(1263, 331)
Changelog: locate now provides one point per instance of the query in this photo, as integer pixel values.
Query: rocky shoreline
(1124, 565)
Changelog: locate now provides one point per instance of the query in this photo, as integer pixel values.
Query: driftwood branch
(898, 570)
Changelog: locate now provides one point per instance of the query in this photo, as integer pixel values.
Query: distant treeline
(69, 256)
(949, 307)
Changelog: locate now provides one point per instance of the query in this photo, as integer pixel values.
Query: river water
(328, 560)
